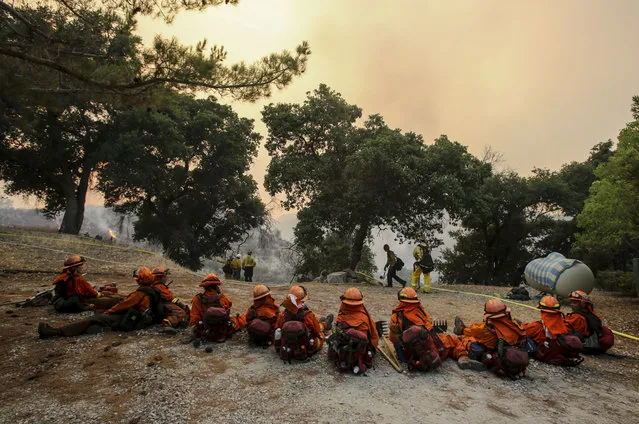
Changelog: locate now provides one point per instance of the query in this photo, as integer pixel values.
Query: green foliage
(90, 48)
(492, 245)
(609, 219)
(182, 169)
(52, 154)
(510, 220)
(351, 179)
(330, 255)
(617, 281)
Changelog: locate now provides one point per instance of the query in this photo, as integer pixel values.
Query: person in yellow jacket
(236, 267)
(248, 263)
(423, 264)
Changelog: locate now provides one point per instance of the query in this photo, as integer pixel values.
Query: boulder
(337, 277)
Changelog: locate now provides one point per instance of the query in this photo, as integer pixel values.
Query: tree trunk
(74, 210)
(358, 244)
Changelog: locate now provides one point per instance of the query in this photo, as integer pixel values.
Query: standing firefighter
(176, 313)
(211, 312)
(423, 264)
(394, 264)
(139, 309)
(299, 335)
(585, 321)
(498, 341)
(248, 263)
(227, 267)
(353, 345)
(418, 343)
(236, 267)
(72, 293)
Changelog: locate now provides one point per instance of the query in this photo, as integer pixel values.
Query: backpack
(399, 264)
(426, 262)
(563, 351)
(420, 350)
(512, 360)
(62, 303)
(216, 325)
(601, 338)
(296, 342)
(216, 322)
(260, 332)
(348, 348)
(156, 305)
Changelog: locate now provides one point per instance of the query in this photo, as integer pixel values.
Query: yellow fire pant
(417, 272)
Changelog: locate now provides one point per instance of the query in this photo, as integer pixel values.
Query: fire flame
(112, 234)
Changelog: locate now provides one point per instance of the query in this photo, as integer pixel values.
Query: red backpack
(260, 330)
(348, 348)
(216, 323)
(420, 349)
(295, 341)
(564, 351)
(512, 361)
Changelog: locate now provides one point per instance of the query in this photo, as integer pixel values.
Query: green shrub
(618, 281)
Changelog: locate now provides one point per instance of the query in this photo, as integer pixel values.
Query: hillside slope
(148, 377)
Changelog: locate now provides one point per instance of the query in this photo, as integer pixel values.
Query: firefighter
(133, 313)
(423, 265)
(72, 293)
(176, 313)
(585, 321)
(411, 312)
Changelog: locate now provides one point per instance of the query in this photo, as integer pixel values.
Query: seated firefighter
(418, 342)
(72, 293)
(298, 332)
(176, 313)
(261, 317)
(353, 345)
(498, 341)
(553, 337)
(211, 313)
(135, 312)
(585, 322)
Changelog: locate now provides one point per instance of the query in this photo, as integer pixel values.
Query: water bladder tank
(559, 275)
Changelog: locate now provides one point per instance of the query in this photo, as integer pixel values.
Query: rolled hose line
(628, 336)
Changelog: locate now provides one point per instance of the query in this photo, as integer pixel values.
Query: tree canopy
(350, 179)
(182, 170)
(90, 47)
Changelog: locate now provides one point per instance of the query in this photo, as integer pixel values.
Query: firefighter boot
(45, 331)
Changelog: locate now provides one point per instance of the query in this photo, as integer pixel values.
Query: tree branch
(137, 84)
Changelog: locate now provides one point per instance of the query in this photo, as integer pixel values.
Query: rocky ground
(149, 377)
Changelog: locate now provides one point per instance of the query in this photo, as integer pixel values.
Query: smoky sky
(541, 82)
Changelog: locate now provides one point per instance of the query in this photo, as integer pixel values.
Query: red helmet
(211, 280)
(260, 291)
(352, 296)
(73, 260)
(579, 296)
(143, 276)
(408, 295)
(495, 308)
(549, 304)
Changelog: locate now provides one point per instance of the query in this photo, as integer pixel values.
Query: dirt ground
(149, 377)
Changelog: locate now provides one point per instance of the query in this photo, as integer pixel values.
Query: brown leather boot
(45, 331)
